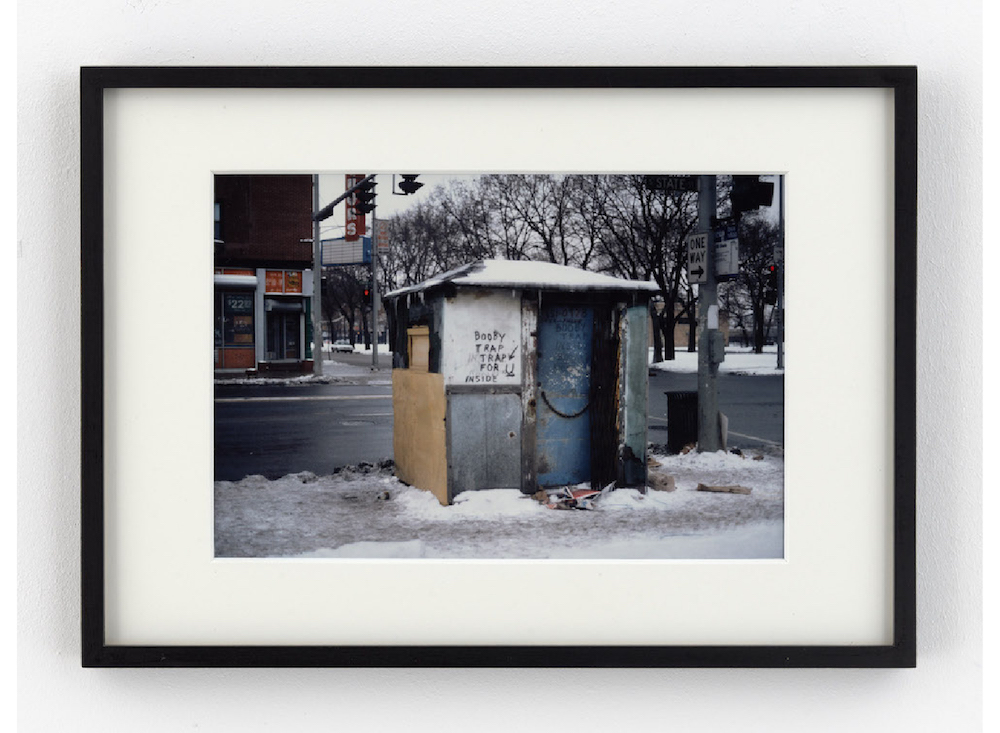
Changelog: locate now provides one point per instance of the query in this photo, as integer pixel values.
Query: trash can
(682, 420)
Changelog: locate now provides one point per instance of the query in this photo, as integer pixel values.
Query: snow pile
(372, 550)
(370, 514)
(297, 381)
(495, 504)
(737, 361)
(334, 372)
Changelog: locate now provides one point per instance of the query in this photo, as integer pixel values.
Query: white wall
(481, 332)
(943, 39)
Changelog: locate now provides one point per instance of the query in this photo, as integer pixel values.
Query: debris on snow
(660, 481)
(571, 497)
(348, 515)
(734, 489)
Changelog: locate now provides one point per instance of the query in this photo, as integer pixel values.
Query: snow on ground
(738, 360)
(368, 513)
(334, 372)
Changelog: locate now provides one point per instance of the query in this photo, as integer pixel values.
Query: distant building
(682, 326)
(263, 275)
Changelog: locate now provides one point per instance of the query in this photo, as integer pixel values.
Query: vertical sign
(274, 281)
(697, 252)
(293, 282)
(727, 252)
(354, 224)
(381, 227)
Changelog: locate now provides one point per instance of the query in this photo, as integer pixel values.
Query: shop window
(283, 335)
(237, 325)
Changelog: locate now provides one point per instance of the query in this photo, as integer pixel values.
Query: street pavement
(754, 405)
(274, 430)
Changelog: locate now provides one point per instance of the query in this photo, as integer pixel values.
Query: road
(276, 430)
(753, 404)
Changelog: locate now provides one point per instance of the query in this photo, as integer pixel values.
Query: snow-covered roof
(527, 274)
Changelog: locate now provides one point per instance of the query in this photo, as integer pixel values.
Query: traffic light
(409, 183)
(364, 197)
(749, 193)
(771, 285)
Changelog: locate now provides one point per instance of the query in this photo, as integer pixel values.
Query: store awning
(274, 305)
(237, 281)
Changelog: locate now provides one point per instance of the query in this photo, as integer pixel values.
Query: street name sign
(671, 183)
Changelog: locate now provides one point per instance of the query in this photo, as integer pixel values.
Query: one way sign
(697, 250)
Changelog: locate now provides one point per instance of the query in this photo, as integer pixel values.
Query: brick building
(682, 326)
(263, 275)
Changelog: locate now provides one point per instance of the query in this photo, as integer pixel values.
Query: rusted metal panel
(634, 396)
(484, 441)
(604, 398)
(529, 395)
(564, 370)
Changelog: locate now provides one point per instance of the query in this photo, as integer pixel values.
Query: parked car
(342, 345)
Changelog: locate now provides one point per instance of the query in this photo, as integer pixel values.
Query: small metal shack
(518, 374)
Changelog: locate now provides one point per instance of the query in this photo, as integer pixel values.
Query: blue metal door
(563, 428)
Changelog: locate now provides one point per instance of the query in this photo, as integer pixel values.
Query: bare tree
(425, 241)
(489, 225)
(343, 293)
(758, 238)
(612, 223)
(545, 217)
(644, 238)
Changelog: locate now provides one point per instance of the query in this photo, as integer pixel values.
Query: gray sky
(331, 185)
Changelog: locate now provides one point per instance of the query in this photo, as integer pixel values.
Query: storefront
(262, 318)
(235, 292)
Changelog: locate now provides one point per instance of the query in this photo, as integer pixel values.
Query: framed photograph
(547, 367)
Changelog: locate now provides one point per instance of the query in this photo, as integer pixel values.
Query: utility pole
(374, 293)
(317, 316)
(364, 189)
(779, 263)
(710, 346)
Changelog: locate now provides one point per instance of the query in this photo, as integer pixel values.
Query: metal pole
(779, 264)
(317, 316)
(708, 322)
(374, 293)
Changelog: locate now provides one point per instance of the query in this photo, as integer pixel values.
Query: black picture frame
(95, 81)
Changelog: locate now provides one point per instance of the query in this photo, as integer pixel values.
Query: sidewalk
(334, 372)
